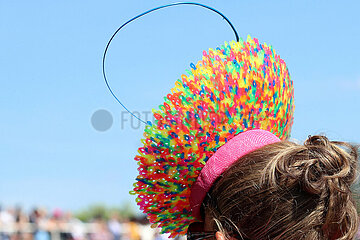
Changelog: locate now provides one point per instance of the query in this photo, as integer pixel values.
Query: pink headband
(223, 158)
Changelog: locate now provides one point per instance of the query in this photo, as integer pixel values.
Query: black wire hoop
(140, 15)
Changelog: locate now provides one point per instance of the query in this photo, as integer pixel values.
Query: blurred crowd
(39, 224)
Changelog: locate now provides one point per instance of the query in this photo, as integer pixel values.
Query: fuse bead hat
(237, 87)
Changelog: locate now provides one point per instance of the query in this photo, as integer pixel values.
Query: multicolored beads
(239, 86)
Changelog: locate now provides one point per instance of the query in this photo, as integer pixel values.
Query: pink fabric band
(223, 158)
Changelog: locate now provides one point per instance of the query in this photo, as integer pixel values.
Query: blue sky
(51, 83)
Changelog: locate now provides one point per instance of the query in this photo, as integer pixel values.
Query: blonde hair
(288, 191)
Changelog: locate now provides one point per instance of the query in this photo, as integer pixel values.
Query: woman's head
(287, 191)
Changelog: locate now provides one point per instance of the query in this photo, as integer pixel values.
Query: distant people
(42, 227)
(7, 220)
(115, 226)
(34, 215)
(101, 231)
(59, 225)
(20, 220)
(133, 229)
(75, 227)
(145, 230)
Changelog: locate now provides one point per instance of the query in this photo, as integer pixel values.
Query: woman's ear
(219, 236)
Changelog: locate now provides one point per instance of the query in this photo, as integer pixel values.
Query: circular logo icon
(102, 120)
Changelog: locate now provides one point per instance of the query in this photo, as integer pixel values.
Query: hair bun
(330, 165)
(318, 165)
(324, 169)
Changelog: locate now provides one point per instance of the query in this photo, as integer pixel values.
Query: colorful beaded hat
(240, 86)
